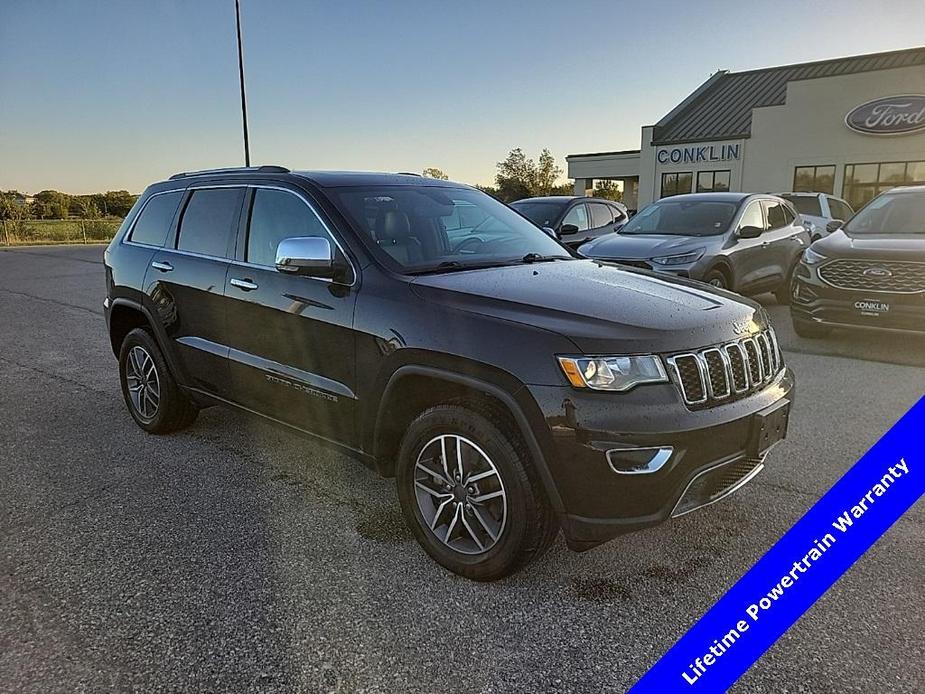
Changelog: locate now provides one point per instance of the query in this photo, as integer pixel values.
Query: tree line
(53, 204)
(519, 176)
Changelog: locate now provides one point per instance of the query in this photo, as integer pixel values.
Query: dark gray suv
(747, 243)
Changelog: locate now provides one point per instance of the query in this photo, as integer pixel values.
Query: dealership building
(851, 127)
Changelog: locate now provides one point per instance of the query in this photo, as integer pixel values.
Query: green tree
(607, 190)
(547, 173)
(50, 204)
(521, 177)
(116, 203)
(433, 172)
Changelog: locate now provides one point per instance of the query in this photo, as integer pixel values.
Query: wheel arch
(124, 316)
(412, 388)
(725, 267)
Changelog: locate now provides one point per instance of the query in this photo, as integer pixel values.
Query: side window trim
(244, 232)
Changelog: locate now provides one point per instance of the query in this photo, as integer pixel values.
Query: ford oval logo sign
(890, 115)
(877, 272)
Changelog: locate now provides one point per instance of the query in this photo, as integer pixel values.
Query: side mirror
(834, 225)
(305, 255)
(568, 229)
(750, 232)
(551, 233)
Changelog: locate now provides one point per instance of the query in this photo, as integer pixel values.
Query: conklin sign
(889, 115)
(698, 153)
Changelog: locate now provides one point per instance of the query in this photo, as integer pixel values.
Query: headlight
(682, 259)
(613, 373)
(810, 257)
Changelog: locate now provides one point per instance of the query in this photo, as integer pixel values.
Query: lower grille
(715, 483)
(898, 276)
(727, 371)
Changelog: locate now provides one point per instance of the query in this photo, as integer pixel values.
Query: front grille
(633, 263)
(728, 371)
(715, 483)
(899, 276)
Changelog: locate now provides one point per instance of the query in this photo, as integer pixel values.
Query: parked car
(574, 219)
(747, 243)
(818, 210)
(870, 273)
(513, 390)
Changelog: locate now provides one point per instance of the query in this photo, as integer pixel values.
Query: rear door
(186, 283)
(602, 220)
(783, 242)
(292, 348)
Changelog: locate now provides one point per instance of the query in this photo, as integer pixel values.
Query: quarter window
(278, 215)
(578, 216)
(814, 179)
(676, 183)
(713, 181)
(155, 219)
(210, 220)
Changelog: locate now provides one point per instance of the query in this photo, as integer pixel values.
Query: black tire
(161, 412)
(784, 292)
(809, 330)
(716, 278)
(527, 525)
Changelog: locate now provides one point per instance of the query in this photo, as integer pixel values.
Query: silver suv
(747, 243)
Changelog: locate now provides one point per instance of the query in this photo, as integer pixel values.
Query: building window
(713, 181)
(676, 183)
(865, 181)
(814, 179)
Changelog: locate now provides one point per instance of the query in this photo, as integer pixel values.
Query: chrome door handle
(246, 285)
(163, 267)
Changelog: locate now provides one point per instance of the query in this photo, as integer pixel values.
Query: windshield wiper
(540, 258)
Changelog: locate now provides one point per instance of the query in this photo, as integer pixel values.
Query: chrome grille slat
(727, 371)
(900, 276)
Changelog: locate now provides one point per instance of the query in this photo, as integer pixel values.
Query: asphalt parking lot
(235, 556)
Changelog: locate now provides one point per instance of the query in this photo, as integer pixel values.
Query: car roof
(565, 198)
(906, 190)
(715, 197)
(322, 179)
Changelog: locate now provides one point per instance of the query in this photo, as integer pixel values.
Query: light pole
(247, 149)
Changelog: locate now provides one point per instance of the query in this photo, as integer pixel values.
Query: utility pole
(247, 148)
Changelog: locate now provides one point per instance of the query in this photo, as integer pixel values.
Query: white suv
(817, 210)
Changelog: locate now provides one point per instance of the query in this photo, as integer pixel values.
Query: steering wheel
(469, 245)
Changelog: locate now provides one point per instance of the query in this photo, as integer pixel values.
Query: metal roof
(722, 107)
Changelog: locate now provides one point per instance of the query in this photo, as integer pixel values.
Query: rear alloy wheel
(151, 394)
(470, 495)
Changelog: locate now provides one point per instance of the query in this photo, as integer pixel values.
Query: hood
(601, 307)
(844, 244)
(643, 246)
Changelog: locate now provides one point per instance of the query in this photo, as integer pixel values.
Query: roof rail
(232, 169)
(409, 173)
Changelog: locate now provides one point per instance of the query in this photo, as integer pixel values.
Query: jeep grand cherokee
(511, 388)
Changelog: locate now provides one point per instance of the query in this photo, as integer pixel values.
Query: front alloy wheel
(469, 492)
(460, 494)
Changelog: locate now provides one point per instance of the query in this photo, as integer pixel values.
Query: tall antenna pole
(247, 148)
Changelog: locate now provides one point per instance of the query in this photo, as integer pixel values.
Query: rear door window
(155, 219)
(601, 215)
(777, 214)
(210, 221)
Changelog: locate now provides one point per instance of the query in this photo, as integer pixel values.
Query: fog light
(638, 461)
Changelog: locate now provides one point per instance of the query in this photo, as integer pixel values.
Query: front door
(749, 265)
(292, 352)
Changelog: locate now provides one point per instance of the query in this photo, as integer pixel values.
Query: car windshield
(805, 204)
(683, 218)
(543, 214)
(897, 213)
(427, 228)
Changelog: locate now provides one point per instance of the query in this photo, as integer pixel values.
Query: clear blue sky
(106, 95)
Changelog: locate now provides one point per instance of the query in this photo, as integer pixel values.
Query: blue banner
(799, 568)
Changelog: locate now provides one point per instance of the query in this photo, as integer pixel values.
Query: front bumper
(600, 502)
(814, 301)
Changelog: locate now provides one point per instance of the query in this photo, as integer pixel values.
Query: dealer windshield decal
(799, 568)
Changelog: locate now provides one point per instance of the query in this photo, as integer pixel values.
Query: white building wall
(810, 129)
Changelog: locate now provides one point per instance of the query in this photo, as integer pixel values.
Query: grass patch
(49, 231)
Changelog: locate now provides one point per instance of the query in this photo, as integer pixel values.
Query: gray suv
(747, 243)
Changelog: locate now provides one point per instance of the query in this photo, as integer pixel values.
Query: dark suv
(513, 389)
(574, 219)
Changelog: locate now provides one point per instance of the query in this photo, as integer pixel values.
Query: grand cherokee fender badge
(301, 387)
